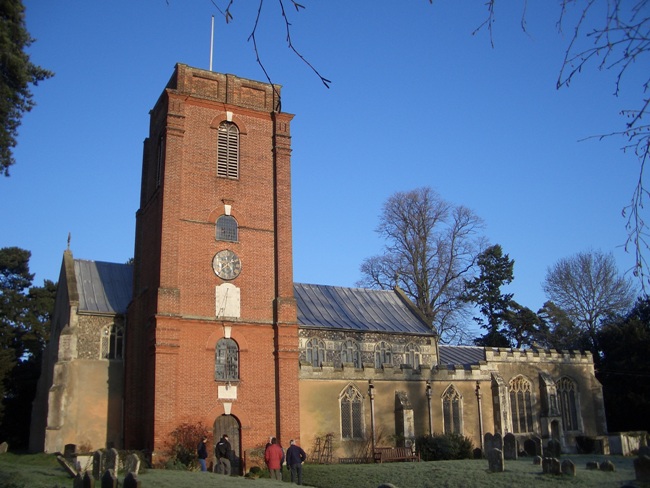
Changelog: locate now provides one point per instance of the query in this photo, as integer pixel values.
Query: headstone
(69, 450)
(554, 448)
(132, 464)
(642, 468)
(99, 463)
(538, 445)
(495, 460)
(112, 461)
(78, 481)
(551, 465)
(568, 467)
(487, 441)
(531, 448)
(537, 460)
(510, 447)
(478, 454)
(4, 447)
(497, 441)
(67, 466)
(109, 480)
(607, 466)
(88, 481)
(593, 465)
(131, 481)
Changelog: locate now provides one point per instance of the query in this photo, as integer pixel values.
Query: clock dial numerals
(226, 265)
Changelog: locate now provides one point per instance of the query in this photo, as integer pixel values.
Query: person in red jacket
(274, 457)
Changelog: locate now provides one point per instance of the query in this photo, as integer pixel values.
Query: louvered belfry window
(228, 151)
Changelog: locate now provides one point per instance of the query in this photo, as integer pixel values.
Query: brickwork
(173, 328)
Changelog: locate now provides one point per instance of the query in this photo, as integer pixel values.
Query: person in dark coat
(295, 457)
(222, 452)
(274, 457)
(202, 453)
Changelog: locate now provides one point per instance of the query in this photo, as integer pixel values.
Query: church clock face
(226, 265)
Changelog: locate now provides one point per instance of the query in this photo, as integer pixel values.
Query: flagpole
(211, 41)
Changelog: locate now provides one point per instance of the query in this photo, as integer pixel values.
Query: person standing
(295, 457)
(202, 452)
(274, 457)
(222, 452)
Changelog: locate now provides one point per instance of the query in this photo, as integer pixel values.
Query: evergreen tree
(496, 270)
(25, 313)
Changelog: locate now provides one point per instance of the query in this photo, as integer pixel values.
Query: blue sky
(415, 100)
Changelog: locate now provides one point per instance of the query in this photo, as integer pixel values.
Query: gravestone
(487, 441)
(642, 468)
(607, 466)
(99, 463)
(88, 481)
(109, 480)
(531, 448)
(69, 450)
(568, 467)
(538, 445)
(537, 460)
(510, 447)
(112, 461)
(477, 453)
(4, 447)
(131, 481)
(78, 481)
(495, 460)
(69, 468)
(551, 465)
(132, 464)
(554, 448)
(593, 465)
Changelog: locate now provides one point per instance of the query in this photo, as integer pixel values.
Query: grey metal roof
(103, 287)
(464, 355)
(360, 309)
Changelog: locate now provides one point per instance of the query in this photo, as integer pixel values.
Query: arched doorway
(229, 425)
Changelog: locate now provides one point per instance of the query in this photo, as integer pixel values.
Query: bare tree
(589, 289)
(431, 247)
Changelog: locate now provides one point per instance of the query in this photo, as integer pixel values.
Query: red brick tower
(212, 334)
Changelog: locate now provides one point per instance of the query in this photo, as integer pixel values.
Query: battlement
(496, 354)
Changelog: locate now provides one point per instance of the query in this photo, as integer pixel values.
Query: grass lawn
(43, 471)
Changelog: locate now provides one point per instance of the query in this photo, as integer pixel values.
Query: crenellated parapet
(496, 354)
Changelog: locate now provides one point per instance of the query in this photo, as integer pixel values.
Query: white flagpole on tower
(211, 41)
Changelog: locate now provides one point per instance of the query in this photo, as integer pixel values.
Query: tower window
(227, 229)
(228, 151)
(226, 366)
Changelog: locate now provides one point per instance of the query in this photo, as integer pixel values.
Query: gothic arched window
(112, 342)
(567, 392)
(227, 229)
(350, 353)
(226, 362)
(315, 352)
(412, 353)
(521, 405)
(351, 403)
(382, 354)
(228, 151)
(452, 411)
